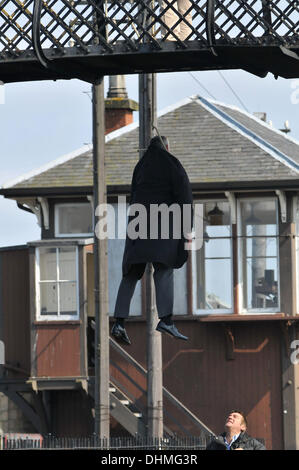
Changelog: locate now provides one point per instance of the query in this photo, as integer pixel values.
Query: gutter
(273, 185)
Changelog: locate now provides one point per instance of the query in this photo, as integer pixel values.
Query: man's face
(235, 423)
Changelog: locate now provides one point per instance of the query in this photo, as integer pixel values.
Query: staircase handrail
(167, 394)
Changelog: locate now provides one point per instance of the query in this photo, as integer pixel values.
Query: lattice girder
(137, 31)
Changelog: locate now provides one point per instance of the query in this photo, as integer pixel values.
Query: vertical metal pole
(147, 118)
(266, 8)
(102, 410)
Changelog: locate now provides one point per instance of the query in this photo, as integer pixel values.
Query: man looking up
(235, 436)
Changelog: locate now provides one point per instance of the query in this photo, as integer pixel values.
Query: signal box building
(237, 298)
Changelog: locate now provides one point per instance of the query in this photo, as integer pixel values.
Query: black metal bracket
(77, 70)
(286, 335)
(210, 25)
(230, 342)
(289, 53)
(35, 414)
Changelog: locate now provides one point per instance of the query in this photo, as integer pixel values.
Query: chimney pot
(262, 116)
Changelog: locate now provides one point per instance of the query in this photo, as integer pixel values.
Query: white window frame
(220, 311)
(58, 234)
(242, 309)
(58, 317)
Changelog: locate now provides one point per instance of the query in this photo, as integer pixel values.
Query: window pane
(215, 285)
(67, 264)
(259, 217)
(74, 218)
(216, 219)
(217, 248)
(48, 298)
(260, 259)
(214, 258)
(48, 269)
(68, 298)
(262, 286)
(256, 247)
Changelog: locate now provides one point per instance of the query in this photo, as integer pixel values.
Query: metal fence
(128, 24)
(114, 443)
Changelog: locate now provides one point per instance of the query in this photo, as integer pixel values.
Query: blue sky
(40, 121)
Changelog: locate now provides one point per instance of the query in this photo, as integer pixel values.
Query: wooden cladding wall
(15, 310)
(212, 377)
(57, 349)
(223, 366)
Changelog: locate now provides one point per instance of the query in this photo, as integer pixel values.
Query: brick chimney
(118, 107)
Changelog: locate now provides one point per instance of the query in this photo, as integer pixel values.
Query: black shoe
(120, 333)
(170, 329)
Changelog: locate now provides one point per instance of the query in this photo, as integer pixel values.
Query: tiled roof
(215, 143)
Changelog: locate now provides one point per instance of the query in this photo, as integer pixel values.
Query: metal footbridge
(64, 39)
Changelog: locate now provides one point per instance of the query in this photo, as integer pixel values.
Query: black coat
(244, 441)
(158, 178)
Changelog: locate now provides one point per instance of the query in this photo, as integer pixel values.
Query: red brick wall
(117, 118)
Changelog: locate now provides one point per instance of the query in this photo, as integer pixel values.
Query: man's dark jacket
(158, 178)
(244, 441)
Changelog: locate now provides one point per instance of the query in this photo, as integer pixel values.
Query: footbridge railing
(116, 35)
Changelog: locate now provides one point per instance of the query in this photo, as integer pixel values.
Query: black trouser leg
(125, 293)
(163, 279)
(126, 290)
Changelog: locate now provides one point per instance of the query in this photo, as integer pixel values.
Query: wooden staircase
(128, 399)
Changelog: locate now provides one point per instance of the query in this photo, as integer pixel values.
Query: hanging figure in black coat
(162, 197)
